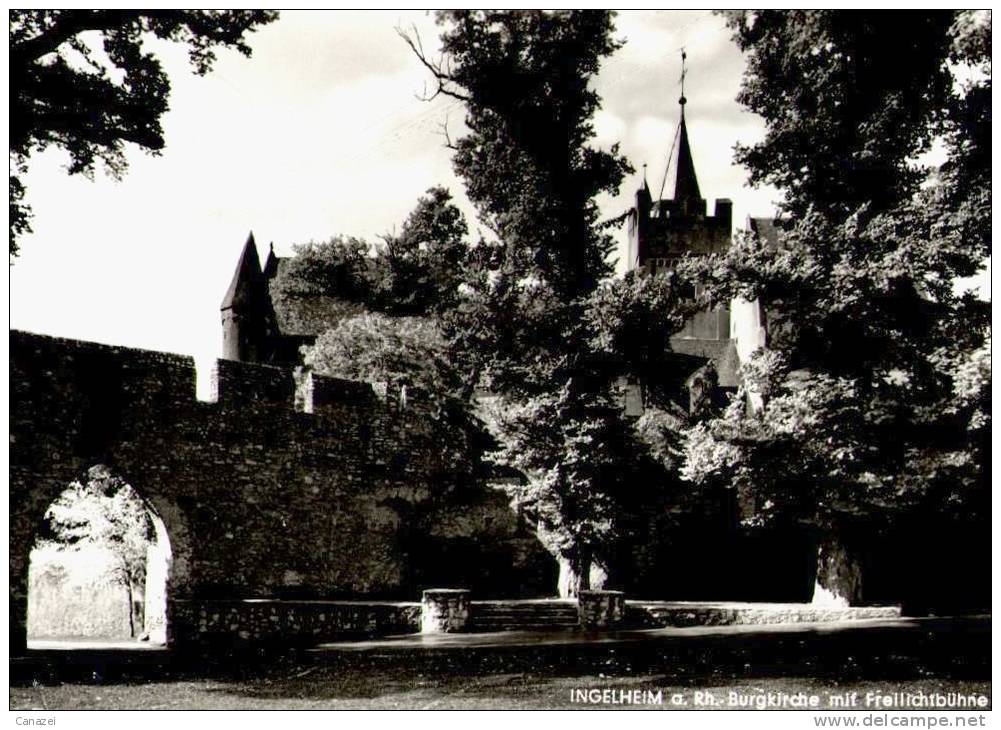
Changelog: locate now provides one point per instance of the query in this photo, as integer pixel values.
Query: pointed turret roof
(686, 184)
(271, 263)
(247, 272)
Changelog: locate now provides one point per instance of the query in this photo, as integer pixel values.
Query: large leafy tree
(595, 471)
(530, 172)
(340, 267)
(419, 270)
(107, 513)
(537, 325)
(377, 348)
(873, 392)
(848, 99)
(525, 78)
(414, 273)
(82, 80)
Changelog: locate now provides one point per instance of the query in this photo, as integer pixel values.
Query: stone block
(444, 610)
(601, 609)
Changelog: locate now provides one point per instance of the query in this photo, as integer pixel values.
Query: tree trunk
(132, 608)
(579, 573)
(839, 574)
(139, 609)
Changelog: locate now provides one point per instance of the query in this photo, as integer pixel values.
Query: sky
(321, 132)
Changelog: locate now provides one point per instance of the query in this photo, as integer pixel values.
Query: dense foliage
(419, 270)
(374, 347)
(414, 273)
(338, 267)
(538, 325)
(82, 80)
(851, 94)
(875, 387)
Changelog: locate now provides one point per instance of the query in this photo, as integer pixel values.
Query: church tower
(661, 231)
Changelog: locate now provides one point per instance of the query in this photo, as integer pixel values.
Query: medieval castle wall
(328, 489)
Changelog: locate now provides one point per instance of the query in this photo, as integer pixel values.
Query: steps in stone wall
(539, 615)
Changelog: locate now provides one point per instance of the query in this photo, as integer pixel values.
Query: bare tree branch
(445, 83)
(448, 140)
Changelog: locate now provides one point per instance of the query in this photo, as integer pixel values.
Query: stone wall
(231, 624)
(348, 494)
(673, 237)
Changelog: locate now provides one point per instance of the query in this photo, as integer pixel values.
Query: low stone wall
(251, 622)
(266, 621)
(662, 614)
(227, 624)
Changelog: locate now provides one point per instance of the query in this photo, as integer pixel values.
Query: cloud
(319, 133)
(608, 128)
(306, 53)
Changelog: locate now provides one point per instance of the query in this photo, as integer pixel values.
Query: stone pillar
(600, 609)
(444, 610)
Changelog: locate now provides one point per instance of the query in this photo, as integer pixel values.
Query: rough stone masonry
(341, 492)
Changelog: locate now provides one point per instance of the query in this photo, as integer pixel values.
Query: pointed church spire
(247, 272)
(686, 184)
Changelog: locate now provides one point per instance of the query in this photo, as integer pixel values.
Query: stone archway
(99, 566)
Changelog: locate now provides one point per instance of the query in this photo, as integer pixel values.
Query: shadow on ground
(953, 654)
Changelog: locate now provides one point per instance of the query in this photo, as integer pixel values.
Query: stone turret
(248, 321)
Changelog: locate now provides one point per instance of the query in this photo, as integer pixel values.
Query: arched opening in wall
(99, 568)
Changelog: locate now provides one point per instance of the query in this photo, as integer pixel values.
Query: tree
(538, 126)
(410, 352)
(833, 91)
(414, 273)
(81, 80)
(419, 270)
(525, 325)
(378, 348)
(529, 171)
(340, 267)
(104, 512)
(870, 410)
(594, 473)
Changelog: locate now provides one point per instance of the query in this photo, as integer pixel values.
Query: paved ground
(92, 645)
(538, 670)
(513, 639)
(523, 639)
